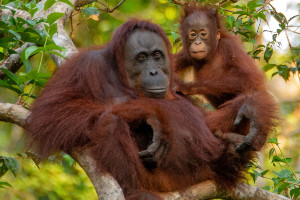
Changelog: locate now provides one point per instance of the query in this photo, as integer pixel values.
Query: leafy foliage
(285, 180)
(15, 32)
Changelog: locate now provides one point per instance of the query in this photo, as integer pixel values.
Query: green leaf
(67, 161)
(272, 150)
(273, 140)
(28, 52)
(4, 184)
(295, 193)
(264, 172)
(27, 65)
(17, 35)
(67, 2)
(267, 188)
(12, 164)
(282, 187)
(33, 11)
(34, 158)
(55, 52)
(279, 31)
(283, 71)
(52, 30)
(268, 67)
(53, 17)
(241, 6)
(282, 26)
(48, 4)
(4, 84)
(238, 23)
(276, 181)
(284, 160)
(230, 19)
(253, 41)
(274, 36)
(249, 27)
(29, 22)
(53, 47)
(252, 5)
(241, 13)
(255, 175)
(11, 75)
(174, 35)
(256, 52)
(268, 53)
(262, 16)
(91, 11)
(3, 25)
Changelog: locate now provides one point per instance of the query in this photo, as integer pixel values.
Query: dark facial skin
(198, 35)
(147, 64)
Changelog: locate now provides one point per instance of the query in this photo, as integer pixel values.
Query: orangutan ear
(218, 35)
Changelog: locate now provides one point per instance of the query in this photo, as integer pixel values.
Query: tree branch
(107, 188)
(80, 3)
(182, 3)
(179, 2)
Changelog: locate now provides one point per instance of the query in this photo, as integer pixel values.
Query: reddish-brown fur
(228, 77)
(89, 103)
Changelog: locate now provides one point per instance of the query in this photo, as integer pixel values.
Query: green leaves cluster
(283, 181)
(15, 31)
(8, 164)
(242, 20)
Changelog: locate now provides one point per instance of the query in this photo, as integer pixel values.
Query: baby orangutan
(227, 76)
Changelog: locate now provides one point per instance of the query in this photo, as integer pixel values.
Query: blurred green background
(56, 181)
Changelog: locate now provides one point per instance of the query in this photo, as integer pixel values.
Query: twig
(106, 10)
(181, 3)
(117, 6)
(265, 4)
(293, 31)
(282, 181)
(80, 3)
(290, 46)
(113, 9)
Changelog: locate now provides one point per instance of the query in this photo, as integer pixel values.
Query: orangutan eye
(203, 34)
(192, 35)
(142, 57)
(156, 55)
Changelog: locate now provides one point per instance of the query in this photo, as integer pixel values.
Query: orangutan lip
(198, 51)
(156, 90)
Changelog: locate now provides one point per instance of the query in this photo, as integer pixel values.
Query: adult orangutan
(116, 102)
(226, 75)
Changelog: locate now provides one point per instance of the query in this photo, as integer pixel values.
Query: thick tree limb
(15, 114)
(107, 188)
